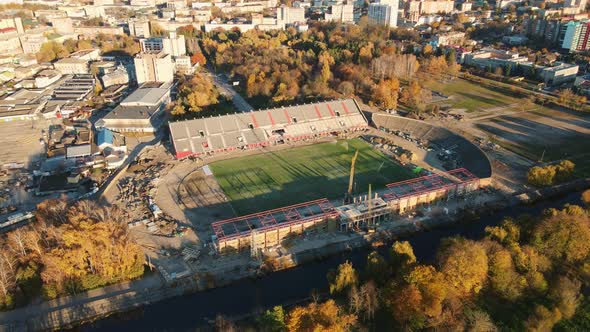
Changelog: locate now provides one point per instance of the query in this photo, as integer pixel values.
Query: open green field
(471, 96)
(274, 179)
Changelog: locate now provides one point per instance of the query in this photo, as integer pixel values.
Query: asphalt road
(227, 90)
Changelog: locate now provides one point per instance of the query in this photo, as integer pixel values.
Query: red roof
(6, 30)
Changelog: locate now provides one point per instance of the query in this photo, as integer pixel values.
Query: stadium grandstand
(265, 127)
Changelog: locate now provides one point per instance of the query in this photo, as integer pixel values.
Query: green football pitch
(274, 179)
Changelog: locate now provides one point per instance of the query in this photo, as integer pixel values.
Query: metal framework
(266, 221)
(429, 183)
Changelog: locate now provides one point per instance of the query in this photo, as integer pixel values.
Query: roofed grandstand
(265, 127)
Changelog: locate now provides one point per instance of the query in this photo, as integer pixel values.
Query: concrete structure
(270, 228)
(62, 25)
(341, 12)
(556, 74)
(115, 76)
(263, 230)
(142, 111)
(92, 54)
(574, 6)
(139, 28)
(92, 32)
(384, 13)
(450, 38)
(32, 45)
(46, 77)
(175, 45)
(72, 66)
(576, 36)
(290, 15)
(153, 67)
(10, 42)
(243, 131)
(414, 9)
(183, 65)
(76, 88)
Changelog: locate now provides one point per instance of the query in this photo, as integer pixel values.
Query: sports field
(274, 179)
(472, 97)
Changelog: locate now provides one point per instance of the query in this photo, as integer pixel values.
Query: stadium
(308, 168)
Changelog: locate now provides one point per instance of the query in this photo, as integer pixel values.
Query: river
(191, 311)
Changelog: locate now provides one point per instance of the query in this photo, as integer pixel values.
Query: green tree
(273, 320)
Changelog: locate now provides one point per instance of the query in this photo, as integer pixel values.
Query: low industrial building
(142, 111)
(490, 59)
(72, 66)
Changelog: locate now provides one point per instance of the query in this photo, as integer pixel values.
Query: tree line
(69, 248)
(327, 61)
(528, 273)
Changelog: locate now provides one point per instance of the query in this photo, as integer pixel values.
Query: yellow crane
(348, 197)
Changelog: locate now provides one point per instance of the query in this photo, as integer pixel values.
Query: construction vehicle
(348, 195)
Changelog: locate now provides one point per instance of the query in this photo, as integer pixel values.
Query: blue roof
(104, 136)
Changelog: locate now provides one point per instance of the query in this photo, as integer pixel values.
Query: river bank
(247, 297)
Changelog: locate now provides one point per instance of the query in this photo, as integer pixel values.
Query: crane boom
(351, 179)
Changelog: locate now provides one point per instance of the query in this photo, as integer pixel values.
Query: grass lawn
(471, 96)
(274, 179)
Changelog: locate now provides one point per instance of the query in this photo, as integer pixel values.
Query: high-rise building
(175, 45)
(384, 13)
(575, 36)
(290, 15)
(154, 67)
(341, 12)
(139, 28)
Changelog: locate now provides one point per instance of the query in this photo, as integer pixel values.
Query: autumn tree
(402, 254)
(344, 278)
(563, 237)
(464, 264)
(197, 93)
(178, 110)
(157, 30)
(51, 51)
(504, 279)
(327, 316)
(385, 93)
(377, 268)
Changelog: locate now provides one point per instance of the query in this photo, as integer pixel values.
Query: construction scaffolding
(363, 213)
(266, 229)
(405, 195)
(260, 231)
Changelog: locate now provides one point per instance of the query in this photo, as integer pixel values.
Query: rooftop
(272, 219)
(145, 96)
(132, 112)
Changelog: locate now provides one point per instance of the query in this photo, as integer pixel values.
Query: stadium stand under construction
(265, 127)
(270, 228)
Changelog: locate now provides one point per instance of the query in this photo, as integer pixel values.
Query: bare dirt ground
(522, 138)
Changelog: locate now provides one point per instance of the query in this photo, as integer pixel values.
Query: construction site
(263, 230)
(218, 207)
